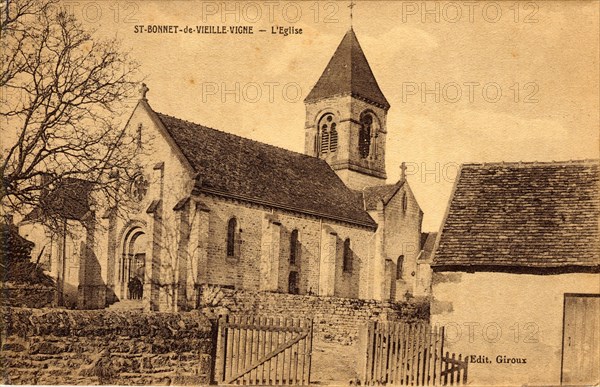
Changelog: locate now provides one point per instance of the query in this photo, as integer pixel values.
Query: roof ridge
(531, 163)
(530, 215)
(377, 186)
(232, 166)
(238, 136)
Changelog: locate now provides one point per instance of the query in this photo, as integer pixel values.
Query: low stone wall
(48, 346)
(335, 319)
(30, 296)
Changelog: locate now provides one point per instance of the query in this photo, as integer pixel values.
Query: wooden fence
(407, 355)
(263, 350)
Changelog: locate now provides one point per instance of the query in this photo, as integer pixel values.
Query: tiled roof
(379, 193)
(348, 73)
(535, 215)
(70, 200)
(428, 246)
(249, 170)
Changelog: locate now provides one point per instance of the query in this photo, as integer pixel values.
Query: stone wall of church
(169, 180)
(358, 181)
(335, 319)
(402, 237)
(244, 270)
(61, 347)
(347, 111)
(61, 256)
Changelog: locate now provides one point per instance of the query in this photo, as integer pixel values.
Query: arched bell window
(367, 135)
(328, 134)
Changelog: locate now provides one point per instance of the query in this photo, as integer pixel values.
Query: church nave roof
(249, 170)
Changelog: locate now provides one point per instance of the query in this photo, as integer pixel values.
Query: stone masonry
(49, 346)
(335, 319)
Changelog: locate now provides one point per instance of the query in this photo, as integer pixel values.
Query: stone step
(127, 305)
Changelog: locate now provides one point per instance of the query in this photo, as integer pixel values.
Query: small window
(347, 260)
(293, 287)
(231, 237)
(404, 202)
(139, 135)
(399, 267)
(293, 247)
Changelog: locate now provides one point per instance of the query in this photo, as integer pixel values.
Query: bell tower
(346, 118)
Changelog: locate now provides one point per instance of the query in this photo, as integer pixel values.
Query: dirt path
(332, 363)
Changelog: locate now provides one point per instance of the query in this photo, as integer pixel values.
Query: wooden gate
(407, 355)
(263, 350)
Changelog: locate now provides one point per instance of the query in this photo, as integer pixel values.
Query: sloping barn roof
(535, 215)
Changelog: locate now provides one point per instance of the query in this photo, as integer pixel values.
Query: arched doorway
(133, 264)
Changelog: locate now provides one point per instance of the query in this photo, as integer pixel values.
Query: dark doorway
(293, 283)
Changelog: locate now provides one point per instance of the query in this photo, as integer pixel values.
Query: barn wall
(495, 315)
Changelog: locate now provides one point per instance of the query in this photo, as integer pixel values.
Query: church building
(209, 208)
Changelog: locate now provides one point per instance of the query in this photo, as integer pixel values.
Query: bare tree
(63, 90)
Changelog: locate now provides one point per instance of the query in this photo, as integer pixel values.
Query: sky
(477, 81)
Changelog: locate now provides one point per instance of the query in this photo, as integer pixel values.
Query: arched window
(399, 267)
(367, 135)
(329, 134)
(293, 247)
(404, 202)
(364, 136)
(347, 259)
(231, 231)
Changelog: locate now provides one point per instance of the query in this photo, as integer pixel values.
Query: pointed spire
(348, 73)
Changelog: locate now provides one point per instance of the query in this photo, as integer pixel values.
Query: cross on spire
(351, 6)
(143, 91)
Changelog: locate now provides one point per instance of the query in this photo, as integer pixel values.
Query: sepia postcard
(391, 193)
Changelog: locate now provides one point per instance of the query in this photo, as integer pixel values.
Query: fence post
(466, 365)
(310, 346)
(217, 352)
(361, 366)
